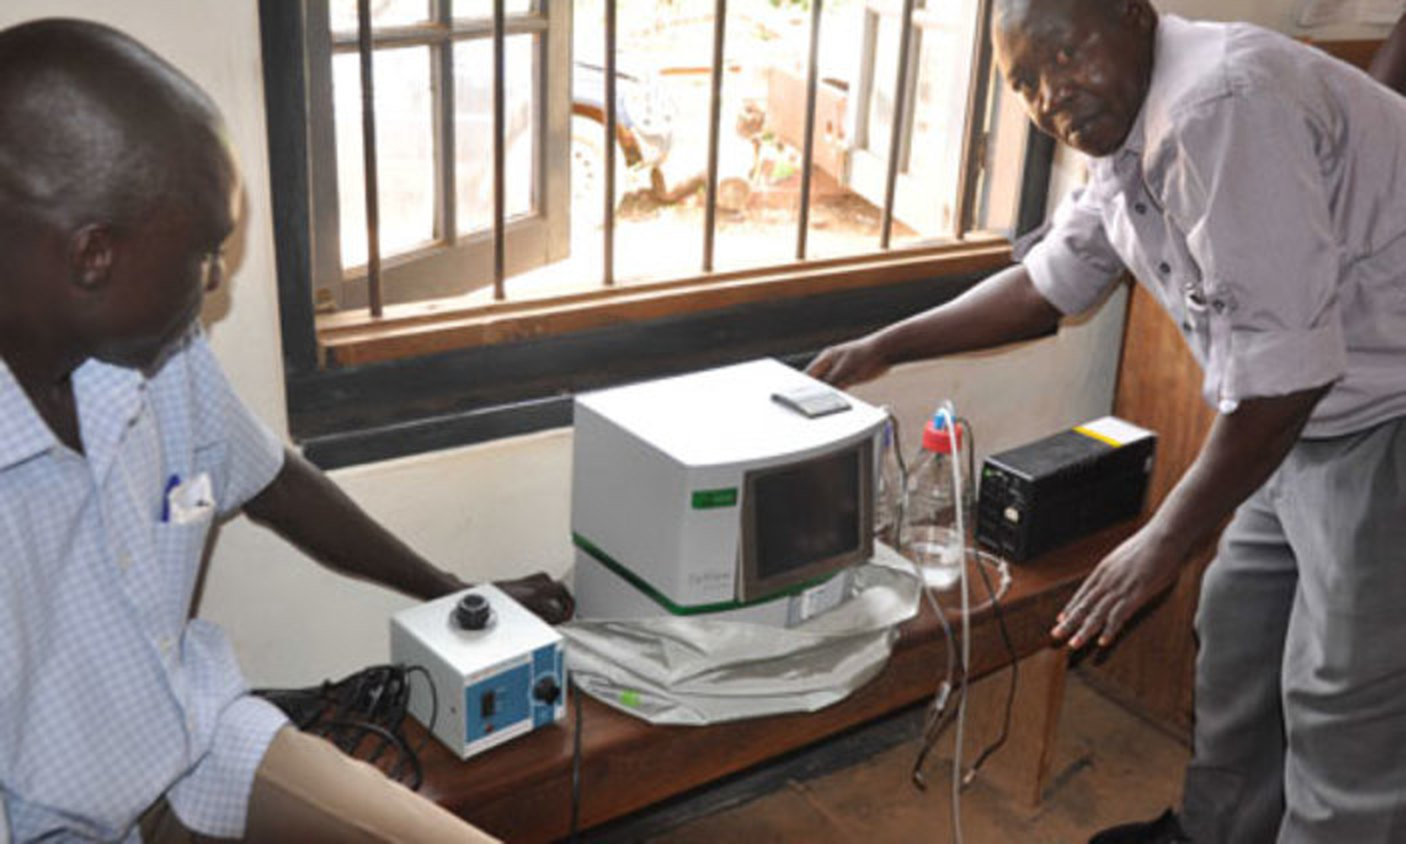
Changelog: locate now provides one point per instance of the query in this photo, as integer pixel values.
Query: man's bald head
(94, 127)
(118, 190)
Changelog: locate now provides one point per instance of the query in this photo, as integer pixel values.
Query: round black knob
(546, 689)
(473, 612)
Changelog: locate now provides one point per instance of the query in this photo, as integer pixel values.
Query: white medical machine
(744, 492)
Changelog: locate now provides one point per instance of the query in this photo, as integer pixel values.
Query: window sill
(409, 331)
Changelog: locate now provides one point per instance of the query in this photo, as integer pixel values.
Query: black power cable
(1010, 690)
(939, 716)
(372, 702)
(575, 831)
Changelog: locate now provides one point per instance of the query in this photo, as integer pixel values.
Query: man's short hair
(1020, 8)
(93, 124)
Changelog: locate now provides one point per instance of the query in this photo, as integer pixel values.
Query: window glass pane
(384, 13)
(664, 60)
(473, 129)
(404, 149)
(843, 221)
(879, 120)
(927, 196)
(665, 52)
(998, 194)
(483, 9)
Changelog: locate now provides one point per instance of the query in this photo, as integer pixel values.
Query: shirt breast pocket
(180, 545)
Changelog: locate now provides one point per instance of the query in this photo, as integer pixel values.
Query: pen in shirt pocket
(171, 484)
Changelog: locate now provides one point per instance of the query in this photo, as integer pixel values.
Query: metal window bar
(808, 146)
(974, 145)
(447, 158)
(608, 233)
(441, 36)
(368, 148)
(710, 215)
(499, 147)
(900, 109)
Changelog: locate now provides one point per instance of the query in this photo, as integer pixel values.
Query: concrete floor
(1110, 766)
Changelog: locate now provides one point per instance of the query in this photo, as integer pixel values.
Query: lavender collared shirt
(1261, 197)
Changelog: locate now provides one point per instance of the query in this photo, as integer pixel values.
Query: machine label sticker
(707, 499)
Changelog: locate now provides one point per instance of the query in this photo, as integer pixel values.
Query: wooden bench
(521, 792)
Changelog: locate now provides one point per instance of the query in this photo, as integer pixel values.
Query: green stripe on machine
(655, 595)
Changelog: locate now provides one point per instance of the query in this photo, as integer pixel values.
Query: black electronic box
(1041, 495)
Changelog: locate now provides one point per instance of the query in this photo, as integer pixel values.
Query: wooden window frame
(441, 267)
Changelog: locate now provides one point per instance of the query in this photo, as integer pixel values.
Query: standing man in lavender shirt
(121, 444)
(1257, 188)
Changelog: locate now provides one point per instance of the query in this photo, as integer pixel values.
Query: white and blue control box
(491, 684)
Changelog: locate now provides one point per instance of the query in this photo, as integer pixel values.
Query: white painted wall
(498, 509)
(1274, 14)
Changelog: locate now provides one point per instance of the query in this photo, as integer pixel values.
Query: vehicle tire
(588, 174)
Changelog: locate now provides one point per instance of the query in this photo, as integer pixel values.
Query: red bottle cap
(938, 437)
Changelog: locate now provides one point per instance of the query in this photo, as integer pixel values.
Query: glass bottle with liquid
(931, 538)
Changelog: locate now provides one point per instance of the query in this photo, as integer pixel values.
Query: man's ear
(91, 253)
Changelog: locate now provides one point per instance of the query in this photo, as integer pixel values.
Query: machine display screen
(807, 513)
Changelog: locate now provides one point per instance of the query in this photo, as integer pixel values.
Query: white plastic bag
(681, 670)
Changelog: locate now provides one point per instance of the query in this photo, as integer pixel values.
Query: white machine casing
(490, 685)
(661, 475)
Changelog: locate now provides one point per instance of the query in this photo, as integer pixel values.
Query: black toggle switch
(546, 690)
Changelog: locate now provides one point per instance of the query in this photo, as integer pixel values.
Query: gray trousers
(1301, 674)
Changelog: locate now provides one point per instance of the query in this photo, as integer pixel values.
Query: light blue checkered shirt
(109, 695)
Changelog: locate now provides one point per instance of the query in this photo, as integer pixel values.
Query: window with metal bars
(482, 207)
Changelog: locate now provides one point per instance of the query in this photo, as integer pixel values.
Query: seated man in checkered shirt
(121, 443)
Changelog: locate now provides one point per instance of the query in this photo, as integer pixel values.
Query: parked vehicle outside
(644, 124)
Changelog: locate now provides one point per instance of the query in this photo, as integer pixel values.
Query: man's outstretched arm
(303, 506)
(1001, 309)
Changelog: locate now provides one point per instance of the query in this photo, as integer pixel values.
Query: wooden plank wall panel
(1357, 53)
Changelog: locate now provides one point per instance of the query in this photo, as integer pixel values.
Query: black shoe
(1164, 830)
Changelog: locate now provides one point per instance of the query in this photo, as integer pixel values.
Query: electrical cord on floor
(938, 717)
(575, 831)
(372, 702)
(1010, 690)
(959, 493)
